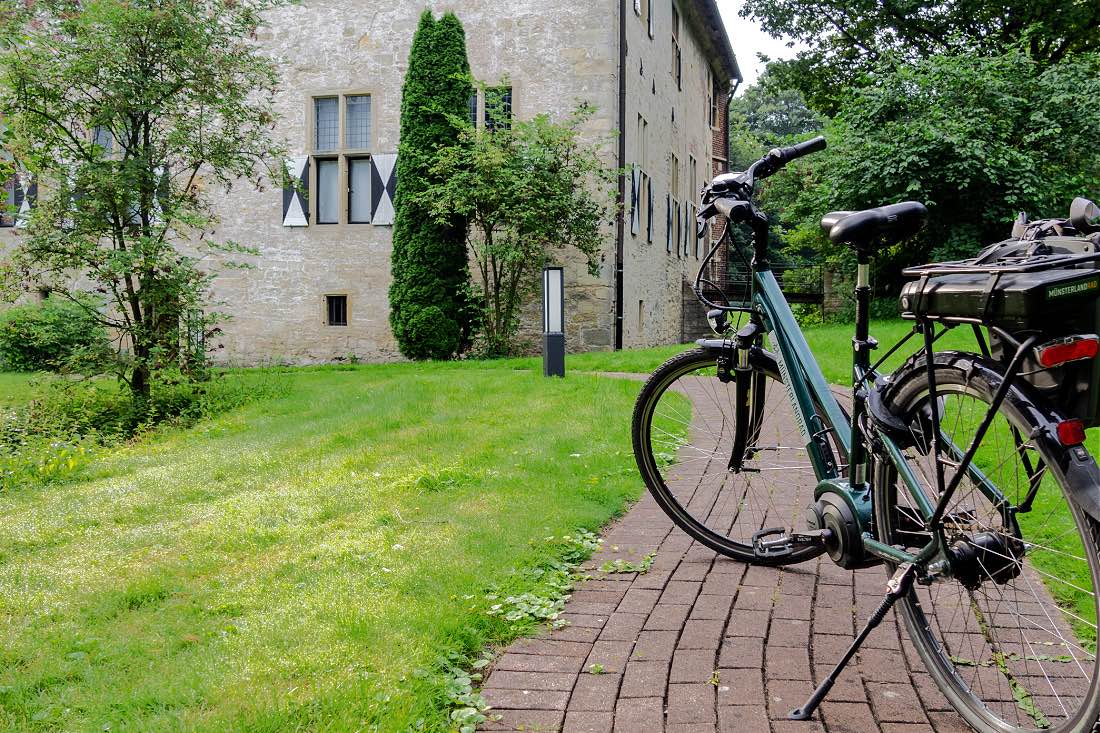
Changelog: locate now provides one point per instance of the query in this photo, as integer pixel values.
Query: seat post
(862, 344)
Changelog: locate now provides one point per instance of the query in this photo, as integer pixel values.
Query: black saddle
(883, 226)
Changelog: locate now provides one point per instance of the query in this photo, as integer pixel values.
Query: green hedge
(50, 336)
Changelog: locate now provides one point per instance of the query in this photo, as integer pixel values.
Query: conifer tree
(429, 313)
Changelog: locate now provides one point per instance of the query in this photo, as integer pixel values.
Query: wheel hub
(985, 556)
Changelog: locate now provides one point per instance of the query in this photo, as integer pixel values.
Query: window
(341, 169)
(693, 181)
(674, 175)
(677, 58)
(337, 310)
(716, 95)
(498, 108)
(359, 190)
(328, 191)
(326, 121)
(357, 122)
(473, 109)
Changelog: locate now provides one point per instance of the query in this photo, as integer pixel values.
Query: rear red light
(1071, 349)
(1071, 432)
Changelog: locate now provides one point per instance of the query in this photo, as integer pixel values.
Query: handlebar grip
(803, 148)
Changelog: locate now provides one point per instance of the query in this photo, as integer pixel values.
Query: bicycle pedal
(771, 548)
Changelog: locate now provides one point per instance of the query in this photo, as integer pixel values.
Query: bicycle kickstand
(896, 587)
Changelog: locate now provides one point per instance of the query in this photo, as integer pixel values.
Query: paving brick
(583, 618)
(741, 687)
(787, 663)
(530, 680)
(883, 665)
(948, 723)
(595, 692)
(789, 632)
(654, 645)
(679, 592)
(639, 600)
(612, 655)
(906, 728)
(741, 652)
(742, 719)
(748, 623)
(785, 696)
(538, 663)
(754, 599)
(845, 717)
(895, 703)
(622, 627)
(552, 646)
(791, 606)
(701, 635)
(652, 579)
(691, 703)
(690, 665)
(525, 720)
(692, 571)
(711, 607)
(644, 679)
(796, 726)
(638, 715)
(526, 699)
(848, 687)
(587, 722)
(667, 618)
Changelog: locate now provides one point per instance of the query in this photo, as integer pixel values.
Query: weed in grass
(596, 668)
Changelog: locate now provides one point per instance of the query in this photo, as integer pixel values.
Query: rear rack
(1035, 263)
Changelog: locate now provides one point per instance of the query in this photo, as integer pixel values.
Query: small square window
(337, 307)
(326, 120)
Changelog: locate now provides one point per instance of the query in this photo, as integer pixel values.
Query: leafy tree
(763, 117)
(849, 39)
(429, 310)
(1025, 143)
(129, 112)
(526, 189)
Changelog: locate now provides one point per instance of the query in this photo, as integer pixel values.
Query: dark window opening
(337, 306)
(473, 109)
(498, 108)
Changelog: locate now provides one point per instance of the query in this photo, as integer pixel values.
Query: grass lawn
(15, 388)
(304, 561)
(301, 562)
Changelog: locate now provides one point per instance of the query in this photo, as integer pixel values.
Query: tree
(526, 189)
(129, 113)
(848, 39)
(765, 116)
(429, 310)
(1025, 143)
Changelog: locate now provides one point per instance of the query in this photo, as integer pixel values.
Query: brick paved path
(704, 643)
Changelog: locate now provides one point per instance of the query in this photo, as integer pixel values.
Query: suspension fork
(748, 390)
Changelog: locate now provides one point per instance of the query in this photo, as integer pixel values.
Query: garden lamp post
(553, 322)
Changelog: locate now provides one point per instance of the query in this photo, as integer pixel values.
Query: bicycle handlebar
(793, 152)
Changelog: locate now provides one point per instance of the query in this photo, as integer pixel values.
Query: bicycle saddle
(885, 225)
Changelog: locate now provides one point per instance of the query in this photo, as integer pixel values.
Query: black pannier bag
(1044, 282)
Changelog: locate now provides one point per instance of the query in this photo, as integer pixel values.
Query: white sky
(748, 40)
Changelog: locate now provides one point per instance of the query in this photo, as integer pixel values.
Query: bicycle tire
(981, 650)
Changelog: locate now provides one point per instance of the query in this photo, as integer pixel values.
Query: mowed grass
(15, 388)
(300, 563)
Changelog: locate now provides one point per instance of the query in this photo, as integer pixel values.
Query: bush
(56, 335)
(56, 434)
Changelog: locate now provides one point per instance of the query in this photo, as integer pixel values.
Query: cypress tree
(429, 313)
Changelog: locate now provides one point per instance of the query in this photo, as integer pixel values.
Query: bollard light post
(553, 322)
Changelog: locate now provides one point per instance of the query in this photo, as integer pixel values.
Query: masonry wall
(676, 131)
(553, 56)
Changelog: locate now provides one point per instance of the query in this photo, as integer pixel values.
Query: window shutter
(26, 193)
(668, 222)
(649, 212)
(296, 192)
(383, 186)
(688, 230)
(635, 213)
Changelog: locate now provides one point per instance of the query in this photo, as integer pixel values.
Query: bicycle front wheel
(683, 433)
(1009, 631)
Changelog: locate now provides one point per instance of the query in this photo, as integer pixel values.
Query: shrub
(55, 335)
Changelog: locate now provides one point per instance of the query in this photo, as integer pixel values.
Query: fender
(1073, 465)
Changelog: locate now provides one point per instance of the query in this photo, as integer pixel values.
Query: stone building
(659, 71)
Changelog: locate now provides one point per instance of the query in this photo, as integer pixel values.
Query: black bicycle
(963, 472)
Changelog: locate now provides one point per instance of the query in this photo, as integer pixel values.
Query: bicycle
(962, 472)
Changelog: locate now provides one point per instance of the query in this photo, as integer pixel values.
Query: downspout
(620, 228)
